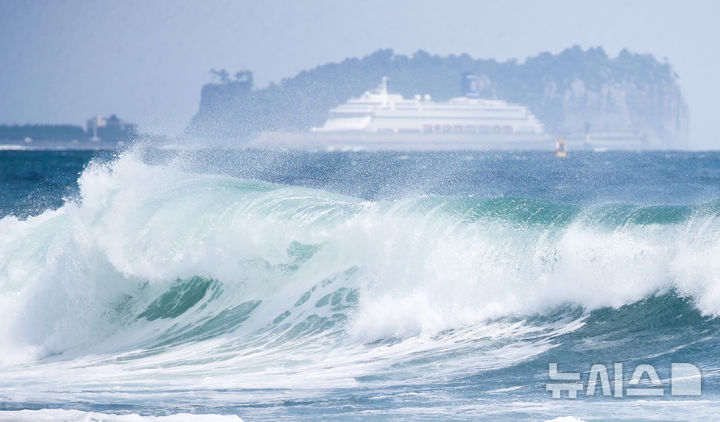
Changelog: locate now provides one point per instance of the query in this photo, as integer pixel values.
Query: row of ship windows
(368, 110)
(466, 129)
(426, 117)
(413, 107)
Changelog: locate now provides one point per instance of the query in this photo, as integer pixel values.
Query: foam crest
(289, 261)
(77, 415)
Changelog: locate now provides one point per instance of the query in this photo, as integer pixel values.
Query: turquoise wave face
(152, 273)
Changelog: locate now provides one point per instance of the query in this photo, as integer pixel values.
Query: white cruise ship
(379, 120)
(378, 111)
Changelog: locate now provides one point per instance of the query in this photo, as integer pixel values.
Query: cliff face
(572, 92)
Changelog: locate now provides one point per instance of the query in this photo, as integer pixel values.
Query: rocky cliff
(573, 92)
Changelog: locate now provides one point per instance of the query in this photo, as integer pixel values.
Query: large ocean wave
(147, 244)
(159, 280)
(157, 275)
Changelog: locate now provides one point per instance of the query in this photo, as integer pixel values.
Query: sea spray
(303, 285)
(391, 269)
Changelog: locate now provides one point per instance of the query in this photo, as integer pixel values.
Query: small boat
(560, 149)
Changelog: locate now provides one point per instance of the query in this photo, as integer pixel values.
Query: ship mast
(382, 91)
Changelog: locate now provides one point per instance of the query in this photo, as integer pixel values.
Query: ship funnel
(470, 85)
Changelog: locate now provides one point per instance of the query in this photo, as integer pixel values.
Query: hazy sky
(64, 61)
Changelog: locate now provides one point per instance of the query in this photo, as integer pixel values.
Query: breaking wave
(156, 266)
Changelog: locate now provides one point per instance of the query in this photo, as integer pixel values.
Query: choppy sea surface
(218, 285)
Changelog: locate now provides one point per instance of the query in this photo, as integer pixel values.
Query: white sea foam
(61, 415)
(75, 280)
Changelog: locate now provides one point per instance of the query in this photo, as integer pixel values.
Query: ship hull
(353, 141)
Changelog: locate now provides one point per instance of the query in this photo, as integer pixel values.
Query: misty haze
(336, 210)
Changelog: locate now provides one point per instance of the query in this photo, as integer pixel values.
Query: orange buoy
(560, 149)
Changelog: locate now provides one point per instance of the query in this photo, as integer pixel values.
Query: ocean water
(226, 285)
